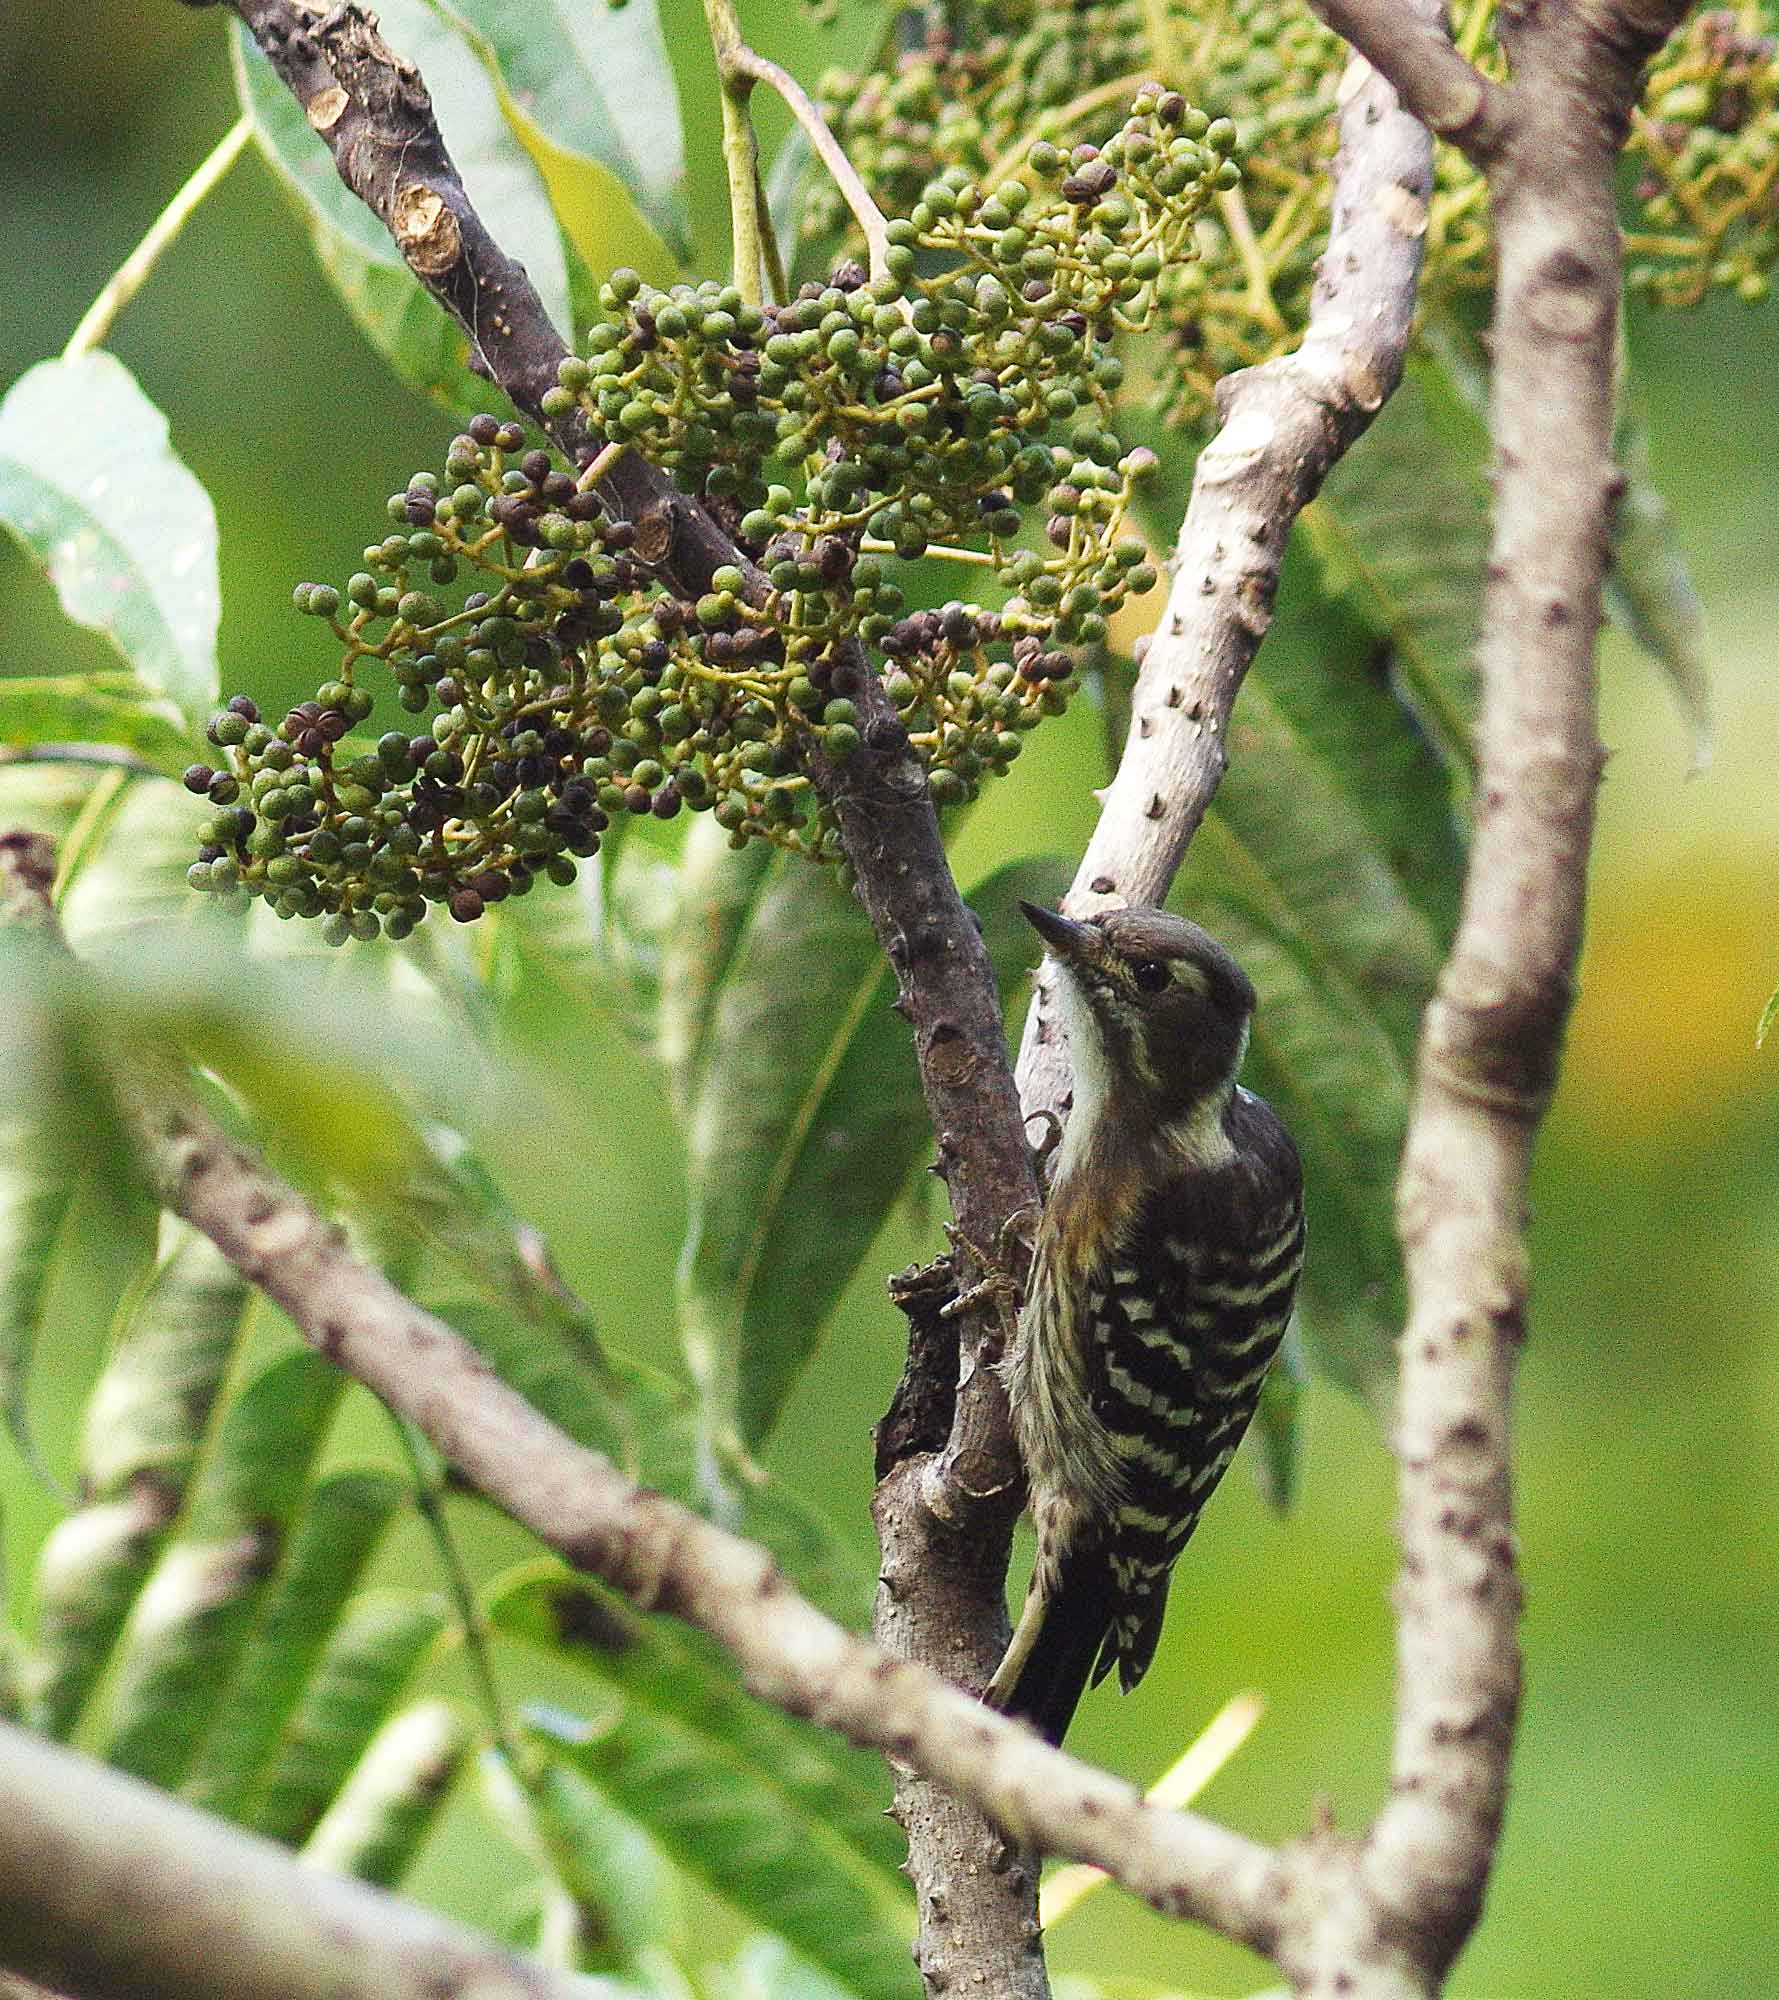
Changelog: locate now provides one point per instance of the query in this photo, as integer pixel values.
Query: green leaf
(1768, 1014)
(382, 1815)
(590, 95)
(686, 1680)
(624, 1897)
(762, 1835)
(119, 709)
(340, 1529)
(1277, 1451)
(715, 892)
(423, 345)
(1650, 590)
(1329, 864)
(598, 945)
(368, 1660)
(91, 487)
(805, 1119)
(196, 1615)
(39, 1178)
(145, 1422)
(1401, 532)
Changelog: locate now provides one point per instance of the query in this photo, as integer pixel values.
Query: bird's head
(1157, 1010)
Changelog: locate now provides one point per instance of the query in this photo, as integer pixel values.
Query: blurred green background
(1642, 1850)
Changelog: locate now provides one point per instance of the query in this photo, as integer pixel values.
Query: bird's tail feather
(1058, 1647)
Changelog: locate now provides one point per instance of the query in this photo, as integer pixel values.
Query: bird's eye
(1150, 974)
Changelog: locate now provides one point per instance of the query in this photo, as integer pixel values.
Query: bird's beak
(1073, 943)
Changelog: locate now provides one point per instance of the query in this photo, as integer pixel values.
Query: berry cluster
(991, 77)
(1707, 144)
(958, 408)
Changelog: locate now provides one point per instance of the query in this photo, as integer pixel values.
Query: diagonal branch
(111, 1890)
(1284, 426)
(659, 1554)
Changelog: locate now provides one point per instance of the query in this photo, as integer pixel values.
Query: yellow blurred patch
(1135, 618)
(1674, 975)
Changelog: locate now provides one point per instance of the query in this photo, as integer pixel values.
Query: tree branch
(111, 1890)
(1284, 426)
(1412, 45)
(1493, 1033)
(659, 1554)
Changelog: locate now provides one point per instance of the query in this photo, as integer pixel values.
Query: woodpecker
(1162, 1281)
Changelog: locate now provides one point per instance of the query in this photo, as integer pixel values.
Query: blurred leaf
(765, 1969)
(383, 1813)
(91, 487)
(624, 1895)
(747, 1838)
(145, 1421)
(715, 893)
(1329, 866)
(598, 944)
(1401, 531)
(1276, 1453)
(424, 346)
(1768, 1014)
(94, 708)
(550, 1367)
(1650, 590)
(805, 1118)
(367, 1661)
(590, 95)
(683, 1679)
(195, 1617)
(39, 1176)
(340, 1529)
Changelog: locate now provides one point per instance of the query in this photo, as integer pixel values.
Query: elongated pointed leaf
(1401, 530)
(360, 1676)
(91, 486)
(715, 894)
(1329, 864)
(590, 95)
(414, 335)
(340, 1529)
(746, 1839)
(195, 1617)
(1650, 589)
(624, 1896)
(381, 1817)
(118, 709)
(806, 1117)
(39, 1178)
(1276, 1454)
(145, 1422)
(674, 1675)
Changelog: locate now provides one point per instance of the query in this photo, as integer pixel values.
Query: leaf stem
(741, 150)
(740, 60)
(132, 274)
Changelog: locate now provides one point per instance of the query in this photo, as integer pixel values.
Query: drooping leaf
(806, 1117)
(1329, 864)
(624, 1897)
(590, 95)
(412, 333)
(383, 1813)
(1401, 531)
(339, 1531)
(145, 1422)
(119, 709)
(366, 1663)
(747, 1839)
(679, 1677)
(765, 1969)
(91, 487)
(196, 1614)
(1276, 1453)
(715, 893)
(1650, 589)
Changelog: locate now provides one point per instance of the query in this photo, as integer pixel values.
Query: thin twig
(741, 59)
(132, 274)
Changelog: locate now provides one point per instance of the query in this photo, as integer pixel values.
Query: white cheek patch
(1187, 974)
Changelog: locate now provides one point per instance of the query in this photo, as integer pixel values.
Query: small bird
(1162, 1281)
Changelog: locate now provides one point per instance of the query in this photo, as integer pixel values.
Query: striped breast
(1183, 1318)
